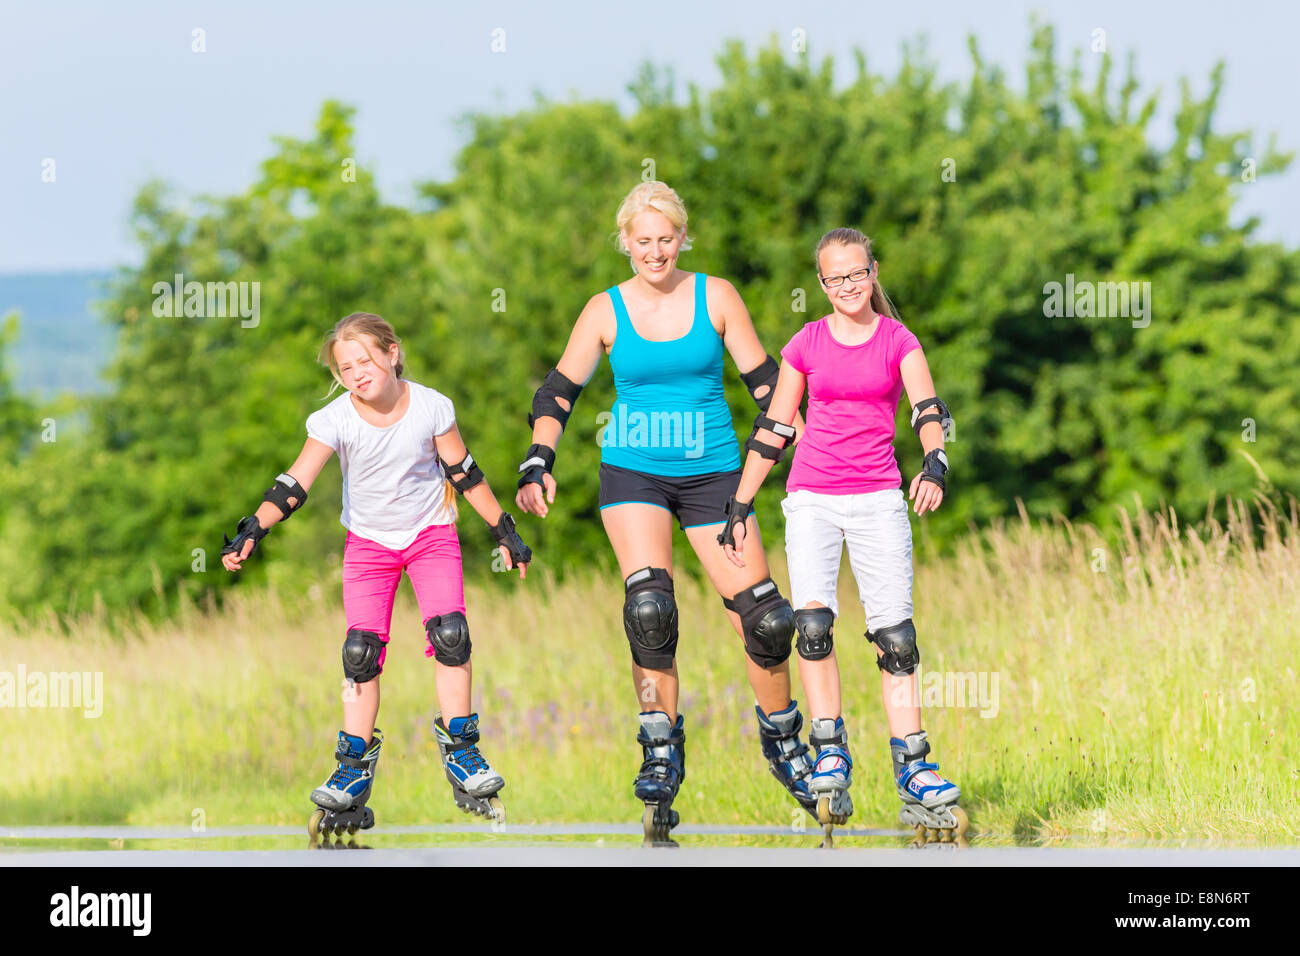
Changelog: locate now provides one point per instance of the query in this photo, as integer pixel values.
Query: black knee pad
(766, 620)
(449, 635)
(650, 618)
(362, 651)
(816, 637)
(898, 641)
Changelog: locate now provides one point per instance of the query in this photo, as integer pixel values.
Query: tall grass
(1144, 690)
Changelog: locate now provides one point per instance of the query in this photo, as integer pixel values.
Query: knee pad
(816, 638)
(449, 637)
(898, 641)
(363, 655)
(650, 618)
(767, 622)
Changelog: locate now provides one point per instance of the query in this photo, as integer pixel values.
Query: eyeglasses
(859, 275)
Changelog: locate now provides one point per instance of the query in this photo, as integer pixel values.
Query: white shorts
(875, 526)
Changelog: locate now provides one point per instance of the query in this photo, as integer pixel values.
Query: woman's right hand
(736, 555)
(233, 561)
(530, 497)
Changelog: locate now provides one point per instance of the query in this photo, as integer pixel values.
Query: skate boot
(929, 801)
(662, 772)
(342, 798)
(832, 774)
(474, 783)
(787, 756)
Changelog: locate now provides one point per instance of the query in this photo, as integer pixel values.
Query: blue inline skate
(929, 801)
(341, 800)
(832, 774)
(663, 769)
(474, 784)
(787, 755)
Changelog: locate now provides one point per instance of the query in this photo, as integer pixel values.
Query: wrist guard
(538, 461)
(249, 529)
(935, 467)
(737, 512)
(505, 534)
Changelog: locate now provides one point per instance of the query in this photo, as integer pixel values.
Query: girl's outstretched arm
(925, 491)
(451, 448)
(304, 471)
(592, 334)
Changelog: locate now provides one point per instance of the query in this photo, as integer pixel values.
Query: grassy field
(1100, 692)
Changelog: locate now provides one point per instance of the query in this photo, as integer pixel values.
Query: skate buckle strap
(662, 767)
(347, 761)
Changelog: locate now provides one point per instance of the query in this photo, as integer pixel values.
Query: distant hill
(62, 344)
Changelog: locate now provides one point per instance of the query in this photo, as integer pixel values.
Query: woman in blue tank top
(669, 449)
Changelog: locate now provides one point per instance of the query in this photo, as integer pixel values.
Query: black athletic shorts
(695, 499)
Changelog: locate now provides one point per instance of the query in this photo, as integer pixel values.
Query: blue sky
(115, 95)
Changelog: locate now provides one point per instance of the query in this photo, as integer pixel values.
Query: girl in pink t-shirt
(844, 487)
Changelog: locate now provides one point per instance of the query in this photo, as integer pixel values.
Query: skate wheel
(824, 812)
(963, 824)
(498, 814)
(313, 825)
(352, 828)
(649, 825)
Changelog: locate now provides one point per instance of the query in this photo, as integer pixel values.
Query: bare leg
(902, 701)
(453, 687)
(361, 709)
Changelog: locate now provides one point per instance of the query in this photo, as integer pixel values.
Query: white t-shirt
(392, 481)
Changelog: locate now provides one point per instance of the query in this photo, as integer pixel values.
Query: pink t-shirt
(853, 391)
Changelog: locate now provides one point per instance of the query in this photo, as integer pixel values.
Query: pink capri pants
(371, 573)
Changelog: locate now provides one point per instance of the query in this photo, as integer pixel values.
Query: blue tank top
(670, 416)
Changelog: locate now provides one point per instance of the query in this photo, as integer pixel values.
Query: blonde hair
(353, 328)
(652, 195)
(845, 236)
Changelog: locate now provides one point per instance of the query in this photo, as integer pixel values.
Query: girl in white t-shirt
(393, 438)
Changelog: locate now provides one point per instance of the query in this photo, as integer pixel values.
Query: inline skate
(929, 801)
(787, 755)
(663, 769)
(832, 775)
(474, 784)
(341, 800)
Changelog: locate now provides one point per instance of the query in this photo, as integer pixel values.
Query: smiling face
(366, 370)
(653, 244)
(850, 298)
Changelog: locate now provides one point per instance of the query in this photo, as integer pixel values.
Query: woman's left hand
(925, 495)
